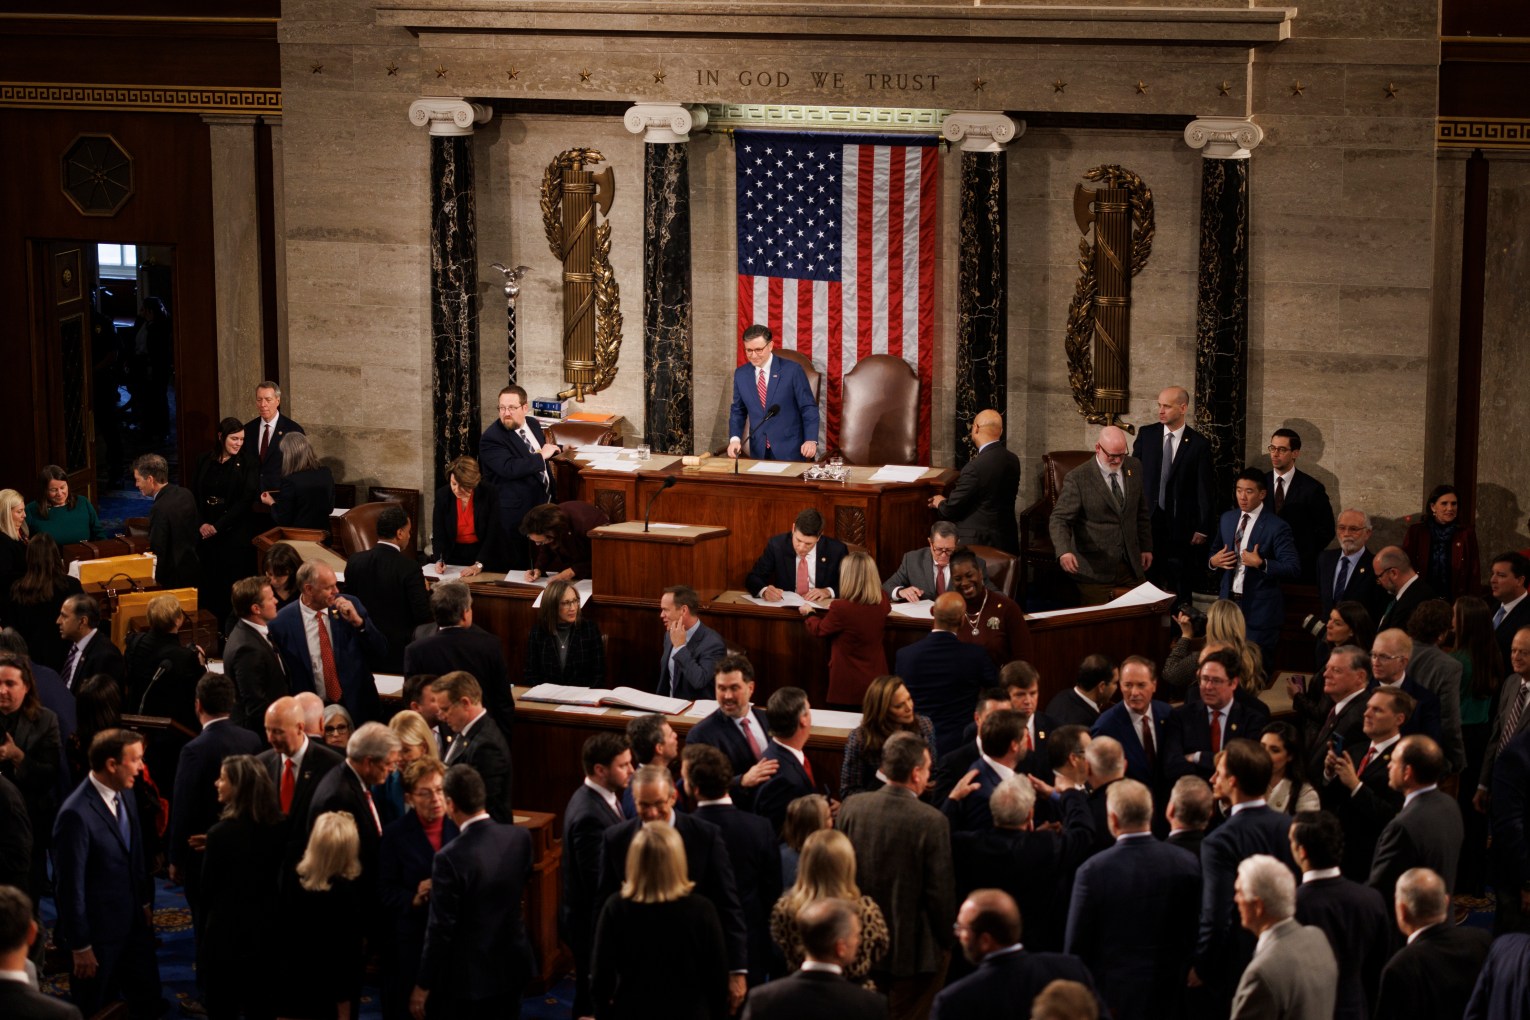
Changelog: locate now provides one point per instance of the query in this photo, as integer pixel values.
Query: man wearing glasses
(766, 382)
(1300, 500)
(1102, 525)
(514, 454)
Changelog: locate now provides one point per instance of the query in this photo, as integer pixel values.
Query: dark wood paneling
(228, 51)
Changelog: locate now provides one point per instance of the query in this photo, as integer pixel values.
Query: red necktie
(807, 767)
(327, 662)
(760, 385)
(289, 785)
(376, 818)
(754, 745)
(1027, 745)
(1216, 732)
(1366, 760)
(1147, 739)
(940, 581)
(802, 576)
(265, 439)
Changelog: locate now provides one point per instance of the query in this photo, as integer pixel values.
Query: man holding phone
(1332, 718)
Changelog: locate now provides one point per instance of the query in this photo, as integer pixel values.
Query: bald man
(982, 502)
(295, 764)
(1176, 466)
(1102, 525)
(943, 674)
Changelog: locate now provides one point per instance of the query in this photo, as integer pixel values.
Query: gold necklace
(973, 618)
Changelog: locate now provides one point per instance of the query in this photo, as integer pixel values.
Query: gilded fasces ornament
(592, 318)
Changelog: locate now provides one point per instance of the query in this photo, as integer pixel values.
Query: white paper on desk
(655, 525)
(898, 473)
(585, 589)
(1145, 594)
(389, 684)
(215, 666)
(771, 467)
(914, 610)
(788, 600)
(836, 720)
(612, 464)
(453, 571)
(340, 511)
(701, 709)
(581, 709)
(635, 714)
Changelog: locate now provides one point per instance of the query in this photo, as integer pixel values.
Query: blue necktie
(123, 825)
(1338, 585)
(1503, 611)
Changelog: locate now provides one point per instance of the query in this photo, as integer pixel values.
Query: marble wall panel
(1503, 470)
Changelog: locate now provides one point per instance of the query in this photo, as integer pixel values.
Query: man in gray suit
(1102, 525)
(926, 573)
(1293, 975)
(1427, 832)
(691, 648)
(1513, 716)
(1439, 673)
(903, 856)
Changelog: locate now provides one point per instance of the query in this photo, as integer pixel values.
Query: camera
(1195, 616)
(1315, 624)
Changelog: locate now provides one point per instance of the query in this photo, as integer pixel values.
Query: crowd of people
(1149, 843)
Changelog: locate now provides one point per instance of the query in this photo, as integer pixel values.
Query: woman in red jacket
(1443, 546)
(854, 621)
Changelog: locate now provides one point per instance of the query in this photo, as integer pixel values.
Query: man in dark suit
(174, 524)
(480, 742)
(752, 848)
(1092, 690)
(263, 436)
(1353, 785)
(1133, 911)
(514, 454)
(926, 573)
(988, 927)
(1176, 472)
(18, 933)
(296, 765)
(390, 585)
(1022, 684)
(1336, 709)
(737, 729)
(691, 648)
(1196, 731)
(16, 842)
(831, 938)
(1101, 526)
(594, 808)
(250, 659)
(1354, 916)
(1510, 851)
(706, 860)
(803, 560)
(1392, 666)
(1299, 500)
(1255, 552)
(458, 644)
(999, 738)
(903, 858)
(982, 502)
(1223, 947)
(1405, 589)
(955, 761)
(791, 724)
(1345, 574)
(1139, 722)
(1513, 715)
(371, 755)
(943, 674)
(1189, 813)
(477, 957)
(1506, 582)
(90, 648)
(1427, 831)
(766, 382)
(1434, 974)
(102, 890)
(328, 642)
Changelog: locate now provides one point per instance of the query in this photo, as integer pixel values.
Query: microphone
(669, 482)
(164, 667)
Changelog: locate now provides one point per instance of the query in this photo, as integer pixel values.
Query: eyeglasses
(337, 728)
(1384, 657)
(569, 602)
(756, 350)
(1277, 449)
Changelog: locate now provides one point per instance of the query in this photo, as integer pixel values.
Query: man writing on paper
(765, 382)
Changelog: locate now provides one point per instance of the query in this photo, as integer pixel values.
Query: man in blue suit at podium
(766, 382)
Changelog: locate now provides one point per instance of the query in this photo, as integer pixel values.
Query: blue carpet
(117, 506)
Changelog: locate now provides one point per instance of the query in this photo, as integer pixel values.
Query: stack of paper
(898, 473)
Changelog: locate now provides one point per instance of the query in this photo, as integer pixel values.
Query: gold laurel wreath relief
(1080, 332)
(605, 291)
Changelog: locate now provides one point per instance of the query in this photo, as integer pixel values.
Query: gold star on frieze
(584, 75)
(979, 84)
(1142, 87)
(1059, 86)
(392, 70)
(1391, 90)
(1224, 88)
(658, 76)
(441, 71)
(1298, 89)
(513, 73)
(317, 69)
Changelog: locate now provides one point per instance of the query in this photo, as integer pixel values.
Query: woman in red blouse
(854, 621)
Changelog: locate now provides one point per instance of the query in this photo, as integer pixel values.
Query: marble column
(236, 260)
(667, 390)
(982, 268)
(453, 276)
(1221, 329)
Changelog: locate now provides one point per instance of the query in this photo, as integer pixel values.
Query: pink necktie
(802, 576)
(760, 384)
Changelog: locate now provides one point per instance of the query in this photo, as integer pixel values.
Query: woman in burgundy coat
(854, 621)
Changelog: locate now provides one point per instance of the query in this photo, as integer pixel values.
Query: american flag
(836, 252)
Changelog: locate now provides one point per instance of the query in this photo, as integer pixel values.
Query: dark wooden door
(65, 279)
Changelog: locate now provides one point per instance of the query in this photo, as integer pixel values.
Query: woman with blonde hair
(658, 941)
(888, 708)
(307, 494)
(1224, 629)
(854, 622)
(322, 957)
(827, 871)
(418, 742)
(13, 539)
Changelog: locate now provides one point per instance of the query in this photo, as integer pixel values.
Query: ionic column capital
(664, 123)
(445, 116)
(981, 131)
(1223, 137)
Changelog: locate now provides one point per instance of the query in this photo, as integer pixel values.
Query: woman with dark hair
(853, 624)
(888, 708)
(1443, 546)
(1349, 623)
(37, 599)
(307, 495)
(29, 745)
(240, 861)
(560, 538)
(57, 511)
(97, 707)
(465, 523)
(1471, 643)
(282, 562)
(224, 485)
(1289, 790)
(565, 646)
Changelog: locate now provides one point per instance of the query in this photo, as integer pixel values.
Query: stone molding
(448, 117)
(664, 123)
(981, 131)
(1223, 137)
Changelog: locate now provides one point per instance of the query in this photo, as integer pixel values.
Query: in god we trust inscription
(781, 78)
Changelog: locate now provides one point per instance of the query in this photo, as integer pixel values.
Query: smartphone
(1338, 744)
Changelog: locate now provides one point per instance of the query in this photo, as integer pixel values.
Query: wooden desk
(541, 907)
(887, 518)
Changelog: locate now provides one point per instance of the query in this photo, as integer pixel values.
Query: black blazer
(473, 650)
(269, 471)
(1067, 708)
(318, 761)
(1189, 731)
(1187, 839)
(443, 529)
(1016, 978)
(226, 497)
(1308, 513)
(304, 499)
(585, 822)
(982, 502)
(1189, 503)
(251, 662)
(404, 860)
(195, 808)
(1365, 812)
(659, 959)
(756, 858)
(1360, 586)
(341, 790)
(99, 656)
(721, 732)
(1313, 706)
(777, 565)
(174, 535)
(1397, 612)
(813, 995)
(392, 588)
(1359, 928)
(790, 782)
(944, 675)
(1504, 633)
(584, 666)
(240, 874)
(485, 747)
(1433, 976)
(37, 623)
(21, 1002)
(15, 837)
(1426, 833)
(1223, 946)
(174, 694)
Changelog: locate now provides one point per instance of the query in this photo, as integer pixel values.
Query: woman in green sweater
(61, 513)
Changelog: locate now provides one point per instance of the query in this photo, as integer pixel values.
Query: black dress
(13, 564)
(239, 871)
(305, 499)
(584, 664)
(38, 623)
(173, 695)
(670, 953)
(320, 960)
(224, 491)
